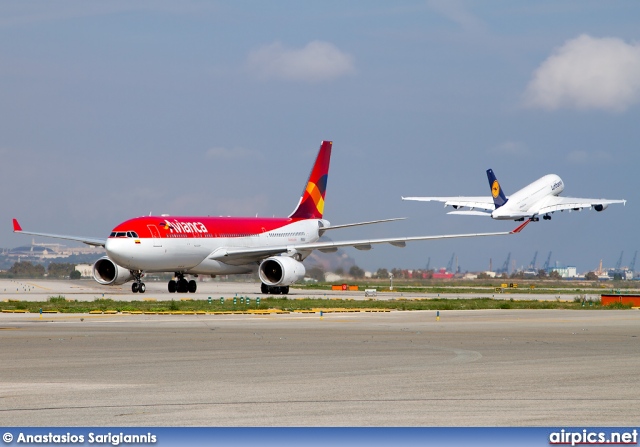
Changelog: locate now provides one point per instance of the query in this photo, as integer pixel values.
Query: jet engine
(108, 273)
(281, 271)
(600, 207)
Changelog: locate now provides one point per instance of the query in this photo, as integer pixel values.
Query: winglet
(16, 226)
(521, 227)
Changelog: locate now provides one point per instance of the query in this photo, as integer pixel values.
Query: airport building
(565, 272)
(86, 270)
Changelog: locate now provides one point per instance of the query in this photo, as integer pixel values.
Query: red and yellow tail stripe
(311, 205)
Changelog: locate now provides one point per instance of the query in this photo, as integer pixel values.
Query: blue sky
(110, 110)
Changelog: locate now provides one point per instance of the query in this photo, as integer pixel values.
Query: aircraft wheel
(183, 286)
(193, 286)
(284, 290)
(264, 288)
(134, 287)
(172, 286)
(142, 288)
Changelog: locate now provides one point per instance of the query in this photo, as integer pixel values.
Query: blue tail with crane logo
(499, 198)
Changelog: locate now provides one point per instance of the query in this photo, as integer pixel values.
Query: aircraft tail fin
(499, 198)
(311, 204)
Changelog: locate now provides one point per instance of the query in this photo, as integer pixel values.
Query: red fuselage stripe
(199, 227)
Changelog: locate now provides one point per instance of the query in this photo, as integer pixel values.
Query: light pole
(390, 281)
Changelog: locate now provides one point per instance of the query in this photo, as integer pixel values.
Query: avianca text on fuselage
(186, 227)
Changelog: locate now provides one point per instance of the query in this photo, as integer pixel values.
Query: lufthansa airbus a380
(229, 245)
(540, 198)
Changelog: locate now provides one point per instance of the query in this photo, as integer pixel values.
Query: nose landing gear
(138, 286)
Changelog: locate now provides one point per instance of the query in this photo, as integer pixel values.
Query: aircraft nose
(116, 250)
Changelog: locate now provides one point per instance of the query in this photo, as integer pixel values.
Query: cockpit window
(124, 234)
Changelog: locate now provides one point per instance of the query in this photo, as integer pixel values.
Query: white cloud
(587, 73)
(584, 157)
(316, 62)
(222, 153)
(511, 148)
(456, 11)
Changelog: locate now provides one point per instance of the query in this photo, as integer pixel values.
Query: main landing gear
(536, 218)
(275, 290)
(182, 285)
(138, 285)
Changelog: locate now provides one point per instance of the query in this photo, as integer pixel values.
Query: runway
(470, 368)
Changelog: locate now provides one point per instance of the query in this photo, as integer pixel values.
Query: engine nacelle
(108, 273)
(600, 207)
(281, 271)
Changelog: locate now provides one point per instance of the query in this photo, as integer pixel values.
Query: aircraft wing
(87, 240)
(557, 203)
(357, 224)
(483, 203)
(244, 255)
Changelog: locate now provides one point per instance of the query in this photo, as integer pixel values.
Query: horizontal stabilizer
(471, 213)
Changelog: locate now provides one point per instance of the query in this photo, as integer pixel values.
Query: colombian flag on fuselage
(311, 205)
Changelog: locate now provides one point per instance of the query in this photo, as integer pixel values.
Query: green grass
(60, 304)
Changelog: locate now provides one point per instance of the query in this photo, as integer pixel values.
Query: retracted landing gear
(138, 286)
(275, 290)
(182, 285)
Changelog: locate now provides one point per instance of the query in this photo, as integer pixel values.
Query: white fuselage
(191, 255)
(530, 199)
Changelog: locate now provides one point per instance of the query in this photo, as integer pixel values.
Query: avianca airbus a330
(228, 245)
(540, 198)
